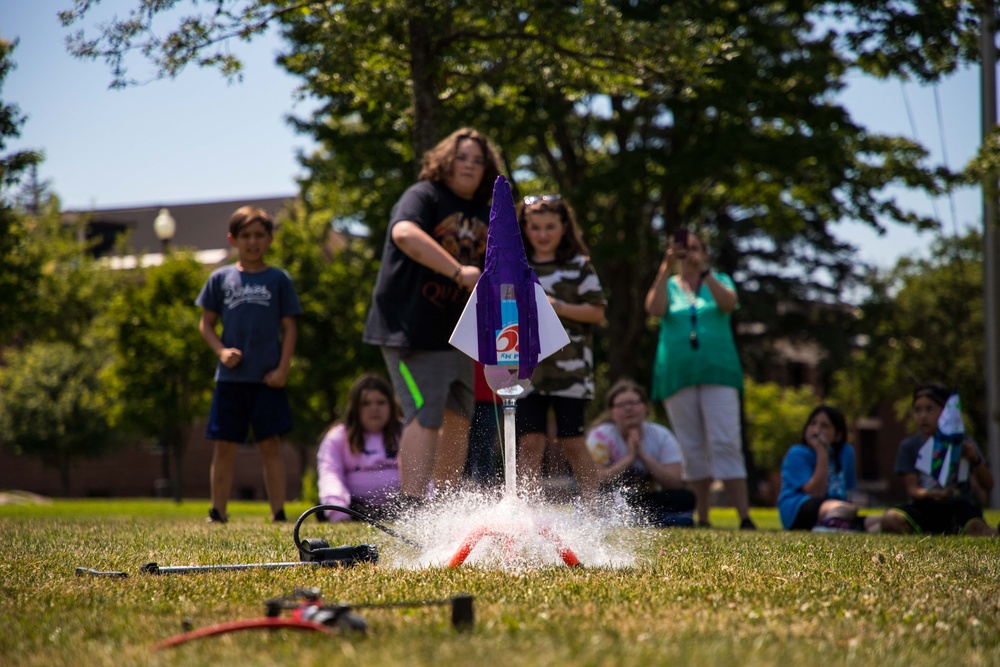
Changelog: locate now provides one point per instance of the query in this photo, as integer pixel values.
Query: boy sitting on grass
(952, 509)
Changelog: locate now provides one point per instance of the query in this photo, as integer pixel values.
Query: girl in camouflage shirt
(563, 382)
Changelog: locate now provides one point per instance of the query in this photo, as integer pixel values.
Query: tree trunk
(425, 99)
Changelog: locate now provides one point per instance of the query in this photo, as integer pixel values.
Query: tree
(776, 417)
(334, 274)
(19, 268)
(12, 165)
(159, 380)
(923, 323)
(49, 406)
(646, 115)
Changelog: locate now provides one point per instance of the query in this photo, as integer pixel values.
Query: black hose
(357, 515)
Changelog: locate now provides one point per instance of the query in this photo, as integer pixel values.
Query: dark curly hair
(437, 162)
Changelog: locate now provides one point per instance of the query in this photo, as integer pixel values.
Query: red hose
(236, 626)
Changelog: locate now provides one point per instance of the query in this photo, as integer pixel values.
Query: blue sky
(196, 138)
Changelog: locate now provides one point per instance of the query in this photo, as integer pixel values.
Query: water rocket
(508, 320)
(941, 455)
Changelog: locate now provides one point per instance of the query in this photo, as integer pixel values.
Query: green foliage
(646, 116)
(49, 406)
(51, 288)
(923, 323)
(919, 39)
(20, 272)
(162, 370)
(775, 419)
(159, 380)
(310, 486)
(12, 165)
(333, 275)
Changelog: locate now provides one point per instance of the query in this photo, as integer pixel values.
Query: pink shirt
(371, 475)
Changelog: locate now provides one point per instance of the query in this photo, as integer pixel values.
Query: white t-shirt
(606, 445)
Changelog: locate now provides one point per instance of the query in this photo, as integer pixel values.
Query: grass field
(692, 597)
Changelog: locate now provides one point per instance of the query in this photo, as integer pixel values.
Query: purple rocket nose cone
(507, 264)
(504, 235)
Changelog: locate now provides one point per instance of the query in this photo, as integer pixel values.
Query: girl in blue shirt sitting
(816, 476)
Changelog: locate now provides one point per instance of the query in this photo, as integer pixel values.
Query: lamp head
(164, 225)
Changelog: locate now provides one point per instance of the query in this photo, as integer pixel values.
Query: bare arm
(229, 356)
(613, 471)
(978, 470)
(725, 298)
(421, 247)
(289, 336)
(667, 475)
(913, 491)
(656, 297)
(816, 486)
(588, 313)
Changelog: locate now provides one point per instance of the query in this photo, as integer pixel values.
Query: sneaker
(279, 517)
(833, 524)
(214, 516)
(748, 524)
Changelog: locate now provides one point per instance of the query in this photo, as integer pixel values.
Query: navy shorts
(533, 414)
(237, 406)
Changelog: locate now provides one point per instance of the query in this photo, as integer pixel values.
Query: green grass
(694, 597)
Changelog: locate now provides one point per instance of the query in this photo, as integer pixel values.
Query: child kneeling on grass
(358, 459)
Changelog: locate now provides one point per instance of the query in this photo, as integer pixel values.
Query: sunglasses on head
(542, 199)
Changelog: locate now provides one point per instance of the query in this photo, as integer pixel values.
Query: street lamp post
(165, 227)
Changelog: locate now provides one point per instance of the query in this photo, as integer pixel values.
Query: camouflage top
(570, 371)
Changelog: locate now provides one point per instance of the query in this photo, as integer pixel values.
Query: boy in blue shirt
(257, 306)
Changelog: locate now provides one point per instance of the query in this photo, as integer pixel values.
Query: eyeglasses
(531, 200)
(626, 403)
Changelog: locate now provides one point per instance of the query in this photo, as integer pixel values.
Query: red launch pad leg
(473, 538)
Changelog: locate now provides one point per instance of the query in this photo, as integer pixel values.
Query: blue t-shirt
(251, 307)
(797, 469)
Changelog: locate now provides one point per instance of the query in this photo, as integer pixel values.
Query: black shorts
(808, 514)
(533, 415)
(942, 517)
(236, 406)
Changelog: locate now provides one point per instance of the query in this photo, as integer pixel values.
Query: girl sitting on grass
(357, 462)
(816, 476)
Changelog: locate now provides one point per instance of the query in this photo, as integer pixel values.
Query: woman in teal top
(697, 373)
